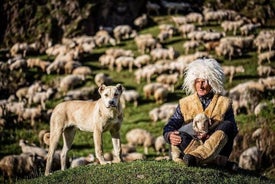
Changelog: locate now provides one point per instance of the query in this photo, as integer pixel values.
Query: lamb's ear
(119, 87)
(101, 88)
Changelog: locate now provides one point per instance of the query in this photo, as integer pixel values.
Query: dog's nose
(112, 102)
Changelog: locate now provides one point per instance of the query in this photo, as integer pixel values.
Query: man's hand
(175, 138)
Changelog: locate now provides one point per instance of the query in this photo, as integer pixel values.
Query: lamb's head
(200, 125)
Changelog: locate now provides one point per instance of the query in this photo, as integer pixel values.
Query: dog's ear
(101, 88)
(119, 87)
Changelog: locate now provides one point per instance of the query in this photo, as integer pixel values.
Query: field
(135, 117)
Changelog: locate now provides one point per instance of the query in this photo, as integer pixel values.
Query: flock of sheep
(160, 67)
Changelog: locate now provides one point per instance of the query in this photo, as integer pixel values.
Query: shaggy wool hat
(208, 69)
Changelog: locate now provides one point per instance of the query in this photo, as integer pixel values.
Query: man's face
(202, 87)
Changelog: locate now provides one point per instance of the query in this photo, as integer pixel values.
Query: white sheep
(129, 157)
(192, 44)
(102, 78)
(32, 149)
(138, 136)
(142, 60)
(266, 56)
(30, 114)
(69, 82)
(129, 96)
(81, 161)
(230, 71)
(265, 70)
(160, 145)
(141, 21)
(82, 70)
(250, 159)
(161, 94)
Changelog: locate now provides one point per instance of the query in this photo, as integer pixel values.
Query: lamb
(162, 53)
(141, 21)
(142, 60)
(265, 70)
(160, 94)
(21, 93)
(266, 56)
(129, 157)
(250, 159)
(81, 161)
(124, 61)
(201, 124)
(140, 136)
(69, 82)
(169, 80)
(192, 44)
(42, 97)
(32, 149)
(186, 28)
(160, 145)
(123, 32)
(232, 70)
(152, 7)
(20, 166)
(82, 70)
(31, 114)
(129, 96)
(102, 78)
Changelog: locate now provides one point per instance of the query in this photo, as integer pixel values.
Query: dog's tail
(46, 138)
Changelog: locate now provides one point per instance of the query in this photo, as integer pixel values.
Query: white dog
(91, 116)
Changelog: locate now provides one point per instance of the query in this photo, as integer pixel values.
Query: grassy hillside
(150, 172)
(143, 171)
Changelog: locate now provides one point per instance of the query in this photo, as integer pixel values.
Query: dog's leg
(68, 137)
(54, 138)
(98, 147)
(117, 146)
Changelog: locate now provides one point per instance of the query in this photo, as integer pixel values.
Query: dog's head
(110, 95)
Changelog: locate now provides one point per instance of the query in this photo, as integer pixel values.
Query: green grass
(149, 172)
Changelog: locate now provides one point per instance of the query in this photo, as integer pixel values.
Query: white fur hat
(208, 69)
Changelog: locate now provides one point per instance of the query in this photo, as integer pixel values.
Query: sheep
(146, 43)
(162, 53)
(20, 166)
(194, 18)
(129, 96)
(81, 161)
(124, 61)
(179, 20)
(186, 28)
(163, 35)
(42, 97)
(117, 52)
(250, 159)
(102, 78)
(30, 114)
(232, 70)
(32, 149)
(140, 136)
(201, 125)
(160, 145)
(84, 93)
(123, 32)
(265, 70)
(232, 25)
(107, 60)
(69, 82)
(192, 44)
(21, 93)
(82, 70)
(19, 64)
(152, 7)
(142, 60)
(129, 157)
(268, 83)
(160, 94)
(169, 80)
(141, 21)
(264, 40)
(266, 56)
(149, 89)
(70, 66)
(211, 45)
(248, 28)
(125, 149)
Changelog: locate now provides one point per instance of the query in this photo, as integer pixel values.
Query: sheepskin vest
(191, 105)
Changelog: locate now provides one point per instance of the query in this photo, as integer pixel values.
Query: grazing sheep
(160, 94)
(129, 96)
(102, 78)
(129, 157)
(266, 56)
(149, 89)
(265, 70)
(82, 70)
(250, 159)
(160, 145)
(20, 166)
(138, 136)
(81, 161)
(141, 21)
(69, 82)
(32, 149)
(142, 60)
(32, 114)
(232, 70)
(192, 44)
(152, 7)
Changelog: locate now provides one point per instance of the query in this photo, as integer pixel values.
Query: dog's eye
(106, 95)
(116, 94)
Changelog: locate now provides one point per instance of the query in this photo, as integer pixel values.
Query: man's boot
(208, 151)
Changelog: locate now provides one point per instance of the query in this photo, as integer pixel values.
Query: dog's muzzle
(111, 103)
